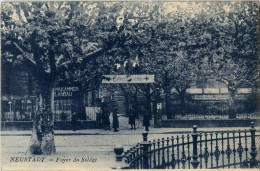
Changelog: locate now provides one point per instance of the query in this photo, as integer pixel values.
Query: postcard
(91, 85)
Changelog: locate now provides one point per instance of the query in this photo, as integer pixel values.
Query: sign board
(117, 79)
(66, 92)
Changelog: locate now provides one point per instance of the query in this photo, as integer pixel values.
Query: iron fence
(215, 109)
(204, 150)
(215, 116)
(63, 110)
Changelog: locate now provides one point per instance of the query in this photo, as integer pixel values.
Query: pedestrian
(63, 116)
(146, 121)
(74, 121)
(132, 118)
(103, 117)
(103, 120)
(99, 113)
(115, 121)
(99, 119)
(107, 114)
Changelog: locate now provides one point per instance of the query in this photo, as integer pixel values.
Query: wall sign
(66, 92)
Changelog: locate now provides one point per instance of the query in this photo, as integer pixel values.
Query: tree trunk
(42, 138)
(148, 101)
(93, 96)
(168, 103)
(127, 104)
(155, 112)
(182, 98)
(136, 104)
(81, 107)
(148, 105)
(232, 111)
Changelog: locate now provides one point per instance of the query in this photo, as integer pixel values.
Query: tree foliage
(177, 41)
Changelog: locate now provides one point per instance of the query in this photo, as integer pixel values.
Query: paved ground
(93, 144)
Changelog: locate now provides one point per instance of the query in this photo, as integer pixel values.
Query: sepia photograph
(88, 85)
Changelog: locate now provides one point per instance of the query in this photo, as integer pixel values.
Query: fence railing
(216, 108)
(215, 116)
(204, 150)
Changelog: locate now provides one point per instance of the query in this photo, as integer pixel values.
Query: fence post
(195, 162)
(146, 146)
(253, 152)
(120, 163)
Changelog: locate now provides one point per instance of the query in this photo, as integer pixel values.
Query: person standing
(115, 121)
(132, 118)
(103, 119)
(105, 116)
(146, 121)
(74, 121)
(99, 113)
(107, 122)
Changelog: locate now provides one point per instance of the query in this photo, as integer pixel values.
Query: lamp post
(155, 106)
(10, 110)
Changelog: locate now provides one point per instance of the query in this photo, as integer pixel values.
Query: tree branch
(19, 50)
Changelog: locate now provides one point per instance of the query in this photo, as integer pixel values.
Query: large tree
(233, 57)
(171, 51)
(54, 39)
